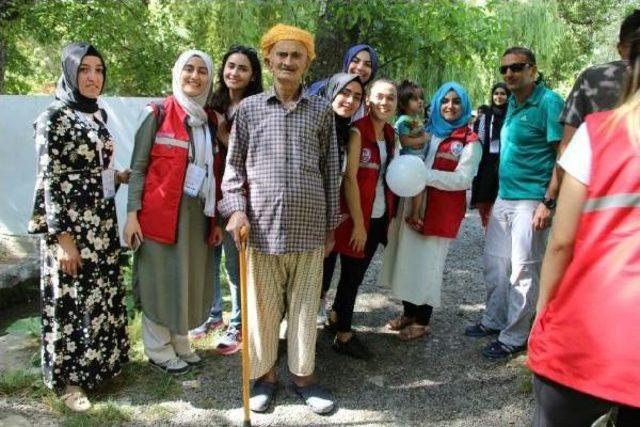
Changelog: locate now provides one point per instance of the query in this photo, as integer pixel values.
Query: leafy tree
(429, 41)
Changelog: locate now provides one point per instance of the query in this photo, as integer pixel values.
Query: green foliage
(29, 326)
(428, 41)
(22, 382)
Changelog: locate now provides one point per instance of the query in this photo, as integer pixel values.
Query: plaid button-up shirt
(283, 171)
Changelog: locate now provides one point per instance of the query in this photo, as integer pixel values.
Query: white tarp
(18, 156)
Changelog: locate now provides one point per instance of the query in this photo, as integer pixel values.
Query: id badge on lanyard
(193, 180)
(107, 174)
(108, 183)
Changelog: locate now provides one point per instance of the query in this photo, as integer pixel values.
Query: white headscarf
(202, 141)
(192, 105)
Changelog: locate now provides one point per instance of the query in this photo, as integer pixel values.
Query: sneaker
(498, 350)
(322, 314)
(201, 331)
(175, 366)
(479, 331)
(354, 348)
(230, 343)
(317, 398)
(262, 395)
(191, 358)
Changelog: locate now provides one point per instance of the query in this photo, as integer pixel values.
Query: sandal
(414, 224)
(414, 332)
(331, 325)
(399, 323)
(77, 401)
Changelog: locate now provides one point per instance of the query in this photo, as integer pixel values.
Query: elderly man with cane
(281, 181)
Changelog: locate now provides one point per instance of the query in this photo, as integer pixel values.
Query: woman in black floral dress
(84, 337)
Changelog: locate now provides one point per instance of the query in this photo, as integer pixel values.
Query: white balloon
(406, 175)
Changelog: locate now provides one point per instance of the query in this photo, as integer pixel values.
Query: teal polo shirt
(529, 138)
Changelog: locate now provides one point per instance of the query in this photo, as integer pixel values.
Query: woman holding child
(413, 262)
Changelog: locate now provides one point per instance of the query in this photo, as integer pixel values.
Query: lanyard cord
(94, 127)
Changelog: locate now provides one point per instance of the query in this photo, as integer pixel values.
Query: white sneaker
(175, 366)
(322, 315)
(191, 358)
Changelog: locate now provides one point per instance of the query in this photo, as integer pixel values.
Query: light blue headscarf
(437, 125)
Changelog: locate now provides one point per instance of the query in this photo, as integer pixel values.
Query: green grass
(18, 302)
(29, 327)
(144, 389)
(22, 383)
(108, 413)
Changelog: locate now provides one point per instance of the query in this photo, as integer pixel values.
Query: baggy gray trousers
(513, 255)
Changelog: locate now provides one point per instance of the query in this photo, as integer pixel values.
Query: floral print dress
(84, 337)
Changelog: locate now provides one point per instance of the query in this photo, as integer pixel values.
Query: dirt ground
(439, 381)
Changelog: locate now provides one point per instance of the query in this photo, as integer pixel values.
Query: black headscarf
(498, 112)
(67, 91)
(335, 84)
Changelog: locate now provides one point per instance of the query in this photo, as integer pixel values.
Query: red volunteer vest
(165, 176)
(588, 336)
(367, 179)
(446, 209)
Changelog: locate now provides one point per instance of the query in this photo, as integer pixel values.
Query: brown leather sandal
(399, 323)
(414, 332)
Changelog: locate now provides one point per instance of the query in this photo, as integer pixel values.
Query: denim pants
(232, 267)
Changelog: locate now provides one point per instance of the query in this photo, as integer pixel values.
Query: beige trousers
(279, 284)
(162, 345)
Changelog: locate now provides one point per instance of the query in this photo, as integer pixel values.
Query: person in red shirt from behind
(584, 347)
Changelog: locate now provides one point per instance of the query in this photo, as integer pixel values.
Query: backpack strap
(158, 110)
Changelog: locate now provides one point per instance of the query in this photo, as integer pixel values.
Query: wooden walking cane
(244, 235)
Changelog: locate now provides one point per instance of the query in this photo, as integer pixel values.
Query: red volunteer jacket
(588, 336)
(367, 180)
(166, 172)
(446, 209)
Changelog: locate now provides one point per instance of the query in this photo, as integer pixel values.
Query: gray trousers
(513, 255)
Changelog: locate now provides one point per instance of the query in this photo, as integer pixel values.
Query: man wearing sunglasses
(517, 231)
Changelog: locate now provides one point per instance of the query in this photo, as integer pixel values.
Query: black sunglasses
(516, 67)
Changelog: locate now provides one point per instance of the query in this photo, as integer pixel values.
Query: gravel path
(440, 381)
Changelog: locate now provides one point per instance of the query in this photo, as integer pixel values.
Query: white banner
(18, 158)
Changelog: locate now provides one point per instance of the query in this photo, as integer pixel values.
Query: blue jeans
(233, 279)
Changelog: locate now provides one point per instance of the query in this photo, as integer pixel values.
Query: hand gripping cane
(244, 235)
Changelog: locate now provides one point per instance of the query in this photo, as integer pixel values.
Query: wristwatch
(549, 203)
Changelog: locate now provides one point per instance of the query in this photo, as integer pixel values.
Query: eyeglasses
(516, 67)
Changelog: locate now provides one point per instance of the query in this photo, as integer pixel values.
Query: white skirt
(413, 264)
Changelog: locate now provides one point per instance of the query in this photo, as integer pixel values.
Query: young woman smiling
(368, 204)
(173, 192)
(239, 76)
(345, 92)
(413, 262)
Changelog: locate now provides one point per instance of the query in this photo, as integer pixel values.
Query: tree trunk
(331, 45)
(3, 60)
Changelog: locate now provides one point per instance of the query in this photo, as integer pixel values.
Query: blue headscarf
(437, 125)
(353, 51)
